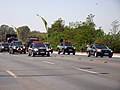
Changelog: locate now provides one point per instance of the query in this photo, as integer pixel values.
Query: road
(58, 72)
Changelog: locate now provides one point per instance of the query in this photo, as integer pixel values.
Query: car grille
(42, 50)
(105, 51)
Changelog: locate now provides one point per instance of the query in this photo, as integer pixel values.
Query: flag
(17, 31)
(44, 21)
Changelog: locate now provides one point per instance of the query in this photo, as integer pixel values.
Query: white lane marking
(11, 73)
(48, 62)
(87, 71)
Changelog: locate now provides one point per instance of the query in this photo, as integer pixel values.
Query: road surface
(58, 72)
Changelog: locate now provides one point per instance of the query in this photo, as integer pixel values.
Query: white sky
(23, 12)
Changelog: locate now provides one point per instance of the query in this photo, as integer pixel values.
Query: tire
(68, 53)
(33, 55)
(48, 54)
(9, 52)
(88, 54)
(73, 53)
(101, 56)
(58, 51)
(95, 54)
(63, 51)
(110, 56)
(12, 52)
(29, 54)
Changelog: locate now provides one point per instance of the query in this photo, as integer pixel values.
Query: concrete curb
(80, 53)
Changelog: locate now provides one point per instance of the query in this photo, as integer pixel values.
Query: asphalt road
(58, 72)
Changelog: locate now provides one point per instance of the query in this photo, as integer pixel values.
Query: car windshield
(5, 44)
(48, 45)
(37, 45)
(68, 44)
(101, 46)
(17, 43)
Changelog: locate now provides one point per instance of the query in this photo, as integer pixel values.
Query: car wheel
(12, 52)
(58, 51)
(63, 51)
(88, 54)
(9, 52)
(29, 54)
(73, 53)
(110, 56)
(101, 56)
(48, 54)
(33, 55)
(95, 54)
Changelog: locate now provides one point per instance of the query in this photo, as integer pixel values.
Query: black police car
(4, 46)
(99, 49)
(49, 47)
(66, 47)
(17, 46)
(38, 48)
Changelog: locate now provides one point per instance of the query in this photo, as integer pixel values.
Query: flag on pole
(17, 31)
(44, 21)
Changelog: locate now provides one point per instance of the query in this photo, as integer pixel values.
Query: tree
(5, 29)
(115, 27)
(23, 32)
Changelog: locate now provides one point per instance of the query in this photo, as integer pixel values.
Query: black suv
(17, 46)
(4, 46)
(38, 48)
(99, 49)
(49, 47)
(66, 47)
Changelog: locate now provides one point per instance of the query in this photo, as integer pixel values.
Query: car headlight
(23, 47)
(65, 47)
(74, 47)
(2, 47)
(14, 47)
(98, 50)
(35, 49)
(111, 51)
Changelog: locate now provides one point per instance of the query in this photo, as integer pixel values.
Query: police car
(66, 47)
(99, 49)
(38, 48)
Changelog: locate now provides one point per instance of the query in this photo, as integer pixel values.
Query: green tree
(23, 32)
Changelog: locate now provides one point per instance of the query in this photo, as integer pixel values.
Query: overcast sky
(23, 12)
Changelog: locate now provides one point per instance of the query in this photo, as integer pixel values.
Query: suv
(49, 47)
(99, 49)
(4, 46)
(66, 47)
(31, 40)
(38, 48)
(17, 46)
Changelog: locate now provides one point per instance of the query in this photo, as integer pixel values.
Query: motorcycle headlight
(35, 49)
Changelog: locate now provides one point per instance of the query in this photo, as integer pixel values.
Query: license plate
(42, 52)
(6, 48)
(106, 53)
(70, 49)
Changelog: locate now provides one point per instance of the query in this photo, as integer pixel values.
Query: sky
(23, 12)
